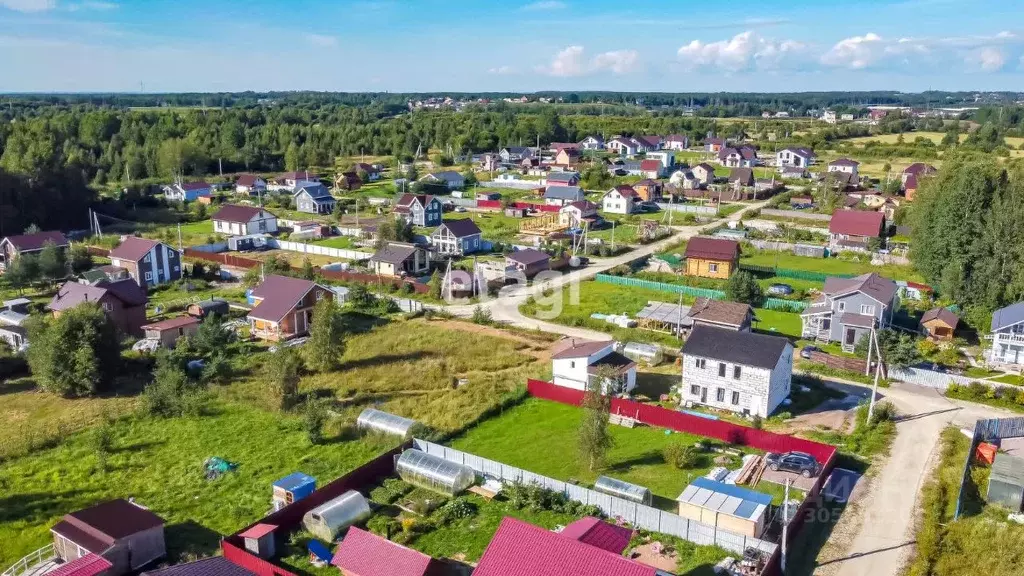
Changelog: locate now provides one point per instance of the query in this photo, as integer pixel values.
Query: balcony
(35, 564)
(1006, 338)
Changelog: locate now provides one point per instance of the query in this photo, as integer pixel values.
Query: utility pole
(874, 387)
(180, 249)
(871, 342)
(613, 235)
(785, 527)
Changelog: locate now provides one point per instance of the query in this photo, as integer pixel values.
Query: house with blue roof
(314, 199)
(725, 506)
(1007, 335)
(292, 488)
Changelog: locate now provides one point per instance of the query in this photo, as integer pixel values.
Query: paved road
(882, 526)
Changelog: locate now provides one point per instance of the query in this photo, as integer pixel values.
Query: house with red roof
(651, 168)
(148, 262)
(284, 307)
(522, 549)
(250, 184)
(167, 332)
(110, 538)
(912, 176)
(711, 257)
(13, 246)
(852, 229)
(238, 220)
(622, 199)
(599, 534)
(363, 553)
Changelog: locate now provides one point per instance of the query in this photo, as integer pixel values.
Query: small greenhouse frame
(434, 473)
(373, 420)
(647, 353)
(326, 520)
(622, 489)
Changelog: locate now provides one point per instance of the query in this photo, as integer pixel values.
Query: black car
(800, 462)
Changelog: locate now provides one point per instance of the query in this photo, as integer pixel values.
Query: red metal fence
(489, 204)
(290, 517)
(541, 207)
(674, 420)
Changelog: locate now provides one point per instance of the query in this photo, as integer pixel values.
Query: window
(695, 390)
(867, 309)
(149, 276)
(721, 369)
(701, 363)
(319, 295)
(712, 267)
(108, 306)
(181, 331)
(572, 364)
(736, 372)
(146, 259)
(177, 268)
(720, 395)
(842, 306)
(735, 398)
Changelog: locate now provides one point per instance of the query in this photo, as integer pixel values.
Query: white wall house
(1008, 336)
(235, 220)
(666, 157)
(742, 372)
(794, 157)
(844, 165)
(620, 200)
(575, 362)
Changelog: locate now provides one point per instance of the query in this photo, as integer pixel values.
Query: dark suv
(799, 462)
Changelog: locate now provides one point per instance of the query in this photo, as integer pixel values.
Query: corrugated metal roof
(1008, 469)
(88, 565)
(725, 498)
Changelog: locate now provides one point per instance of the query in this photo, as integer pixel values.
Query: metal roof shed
(1006, 482)
(730, 507)
(326, 520)
(434, 473)
(622, 489)
(372, 420)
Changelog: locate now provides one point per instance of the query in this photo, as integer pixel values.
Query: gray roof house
(399, 259)
(314, 199)
(849, 308)
(743, 372)
(453, 180)
(562, 195)
(1007, 335)
(456, 237)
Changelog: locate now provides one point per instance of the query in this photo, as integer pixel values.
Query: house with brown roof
(148, 262)
(118, 534)
(574, 213)
(844, 165)
(648, 189)
(13, 246)
(284, 307)
(912, 176)
(711, 257)
(721, 314)
(363, 553)
(456, 237)
(939, 324)
(741, 177)
(852, 229)
(622, 199)
(348, 181)
(250, 184)
(567, 157)
(399, 259)
(238, 220)
(575, 363)
(528, 261)
(372, 172)
(738, 157)
(419, 209)
(704, 172)
(124, 302)
(167, 332)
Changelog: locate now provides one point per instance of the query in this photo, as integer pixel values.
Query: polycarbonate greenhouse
(326, 520)
(434, 473)
(624, 490)
(372, 420)
(646, 353)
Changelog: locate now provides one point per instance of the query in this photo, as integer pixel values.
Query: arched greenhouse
(434, 473)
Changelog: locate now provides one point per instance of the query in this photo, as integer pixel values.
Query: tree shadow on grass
(387, 359)
(138, 446)
(41, 506)
(647, 458)
(190, 539)
(356, 322)
(19, 385)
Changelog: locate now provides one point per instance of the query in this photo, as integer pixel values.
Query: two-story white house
(236, 220)
(742, 372)
(1008, 336)
(592, 143)
(575, 362)
(622, 199)
(849, 308)
(456, 237)
(845, 165)
(676, 142)
(797, 157)
(738, 157)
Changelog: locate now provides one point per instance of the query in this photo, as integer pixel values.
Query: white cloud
(572, 61)
(96, 5)
(501, 70)
(322, 40)
(741, 52)
(29, 5)
(856, 52)
(988, 59)
(544, 5)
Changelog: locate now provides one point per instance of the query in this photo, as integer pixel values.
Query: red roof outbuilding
(650, 165)
(522, 549)
(856, 223)
(363, 553)
(599, 534)
(712, 248)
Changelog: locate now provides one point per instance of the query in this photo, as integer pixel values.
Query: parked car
(780, 289)
(800, 462)
(460, 208)
(806, 351)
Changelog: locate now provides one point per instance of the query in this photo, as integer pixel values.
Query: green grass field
(341, 242)
(828, 265)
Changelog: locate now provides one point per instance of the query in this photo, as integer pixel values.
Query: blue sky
(477, 45)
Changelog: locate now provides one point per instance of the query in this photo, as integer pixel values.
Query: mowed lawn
(540, 436)
(828, 265)
(159, 462)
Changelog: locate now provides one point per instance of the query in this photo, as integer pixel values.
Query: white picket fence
(314, 249)
(638, 515)
(689, 208)
(927, 378)
(515, 184)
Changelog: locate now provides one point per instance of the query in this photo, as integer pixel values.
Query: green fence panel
(796, 274)
(785, 305)
(661, 286)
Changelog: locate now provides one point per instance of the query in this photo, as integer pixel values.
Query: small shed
(622, 489)
(939, 324)
(373, 420)
(730, 507)
(259, 540)
(1006, 482)
(125, 534)
(211, 307)
(646, 353)
(434, 473)
(292, 488)
(167, 332)
(326, 520)
(248, 242)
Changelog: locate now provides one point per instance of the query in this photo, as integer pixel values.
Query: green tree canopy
(743, 287)
(326, 337)
(75, 354)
